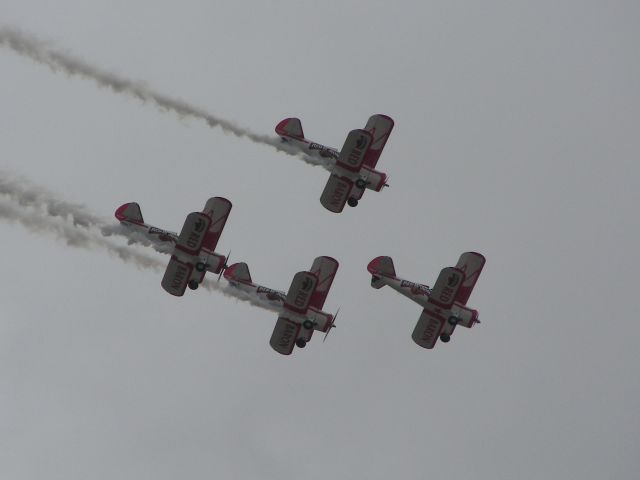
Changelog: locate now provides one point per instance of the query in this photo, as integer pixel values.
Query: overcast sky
(516, 136)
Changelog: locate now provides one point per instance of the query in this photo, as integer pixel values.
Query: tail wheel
(193, 285)
(301, 342)
(308, 324)
(445, 337)
(200, 267)
(352, 202)
(360, 183)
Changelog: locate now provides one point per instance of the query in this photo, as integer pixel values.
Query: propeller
(225, 266)
(332, 326)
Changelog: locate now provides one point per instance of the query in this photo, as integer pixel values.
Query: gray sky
(516, 136)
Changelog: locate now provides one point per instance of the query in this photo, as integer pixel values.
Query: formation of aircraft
(352, 168)
(300, 309)
(193, 251)
(445, 305)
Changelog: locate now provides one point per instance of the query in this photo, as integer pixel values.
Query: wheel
(200, 267)
(445, 337)
(301, 342)
(353, 202)
(308, 324)
(193, 285)
(360, 183)
(453, 320)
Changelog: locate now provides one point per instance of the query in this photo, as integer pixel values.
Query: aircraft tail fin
(290, 127)
(129, 212)
(238, 272)
(380, 266)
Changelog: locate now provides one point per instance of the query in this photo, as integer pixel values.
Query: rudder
(129, 212)
(290, 127)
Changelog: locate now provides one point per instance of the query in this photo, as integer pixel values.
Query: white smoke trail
(40, 220)
(27, 194)
(36, 50)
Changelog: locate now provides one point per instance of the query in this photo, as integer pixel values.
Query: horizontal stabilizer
(290, 127)
(335, 193)
(284, 336)
(300, 292)
(193, 233)
(354, 150)
(238, 272)
(471, 263)
(129, 212)
(176, 276)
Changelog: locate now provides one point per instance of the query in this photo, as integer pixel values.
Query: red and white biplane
(352, 168)
(192, 252)
(300, 309)
(444, 305)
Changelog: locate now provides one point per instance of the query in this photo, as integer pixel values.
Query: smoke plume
(38, 51)
(40, 220)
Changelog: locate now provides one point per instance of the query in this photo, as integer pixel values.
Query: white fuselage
(375, 180)
(275, 298)
(165, 241)
(420, 293)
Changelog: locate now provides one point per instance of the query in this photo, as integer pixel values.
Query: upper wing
(284, 336)
(380, 127)
(446, 287)
(354, 150)
(300, 292)
(471, 264)
(335, 193)
(193, 233)
(324, 268)
(217, 209)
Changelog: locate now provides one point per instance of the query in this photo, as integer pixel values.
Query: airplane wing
(300, 292)
(335, 193)
(189, 244)
(176, 276)
(428, 328)
(324, 268)
(193, 233)
(444, 291)
(284, 336)
(217, 209)
(380, 127)
(471, 264)
(354, 150)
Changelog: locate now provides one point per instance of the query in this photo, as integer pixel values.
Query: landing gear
(193, 285)
(308, 324)
(445, 337)
(301, 342)
(360, 183)
(352, 202)
(453, 320)
(200, 267)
